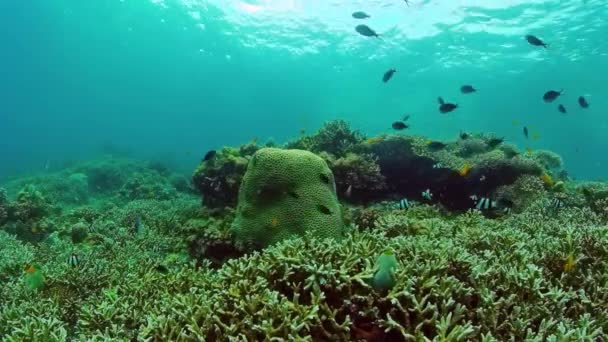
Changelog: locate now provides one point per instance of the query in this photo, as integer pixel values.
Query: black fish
(360, 15)
(435, 146)
(387, 75)
(562, 109)
(399, 125)
(467, 89)
(526, 132)
(365, 30)
(210, 155)
(445, 107)
(405, 117)
(536, 41)
(493, 142)
(583, 102)
(551, 95)
(407, 3)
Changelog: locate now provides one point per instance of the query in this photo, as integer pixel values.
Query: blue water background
(168, 80)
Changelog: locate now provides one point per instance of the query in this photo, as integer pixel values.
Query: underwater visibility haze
(380, 170)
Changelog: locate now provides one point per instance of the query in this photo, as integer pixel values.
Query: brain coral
(286, 193)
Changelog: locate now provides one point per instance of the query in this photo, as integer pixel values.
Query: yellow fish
(534, 136)
(570, 263)
(547, 180)
(274, 222)
(374, 140)
(529, 150)
(515, 123)
(464, 170)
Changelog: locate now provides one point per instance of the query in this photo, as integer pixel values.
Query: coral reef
(335, 137)
(358, 177)
(3, 206)
(163, 268)
(147, 185)
(219, 178)
(286, 193)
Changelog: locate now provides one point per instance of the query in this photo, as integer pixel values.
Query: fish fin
(440, 100)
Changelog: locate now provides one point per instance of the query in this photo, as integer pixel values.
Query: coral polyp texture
(123, 250)
(286, 193)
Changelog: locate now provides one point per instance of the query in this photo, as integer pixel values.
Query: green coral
(286, 193)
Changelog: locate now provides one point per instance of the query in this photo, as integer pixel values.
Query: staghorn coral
(462, 277)
(286, 193)
(147, 185)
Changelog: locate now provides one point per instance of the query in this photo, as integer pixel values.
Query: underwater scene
(303, 170)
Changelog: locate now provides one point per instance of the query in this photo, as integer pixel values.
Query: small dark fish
(399, 125)
(562, 109)
(551, 95)
(405, 118)
(210, 155)
(583, 102)
(464, 135)
(447, 107)
(493, 142)
(436, 146)
(360, 15)
(536, 41)
(526, 132)
(73, 260)
(388, 75)
(467, 89)
(365, 30)
(407, 3)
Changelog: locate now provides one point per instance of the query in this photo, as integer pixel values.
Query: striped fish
(485, 203)
(73, 260)
(403, 204)
(557, 203)
(427, 195)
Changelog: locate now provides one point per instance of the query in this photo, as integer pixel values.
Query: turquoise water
(171, 79)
